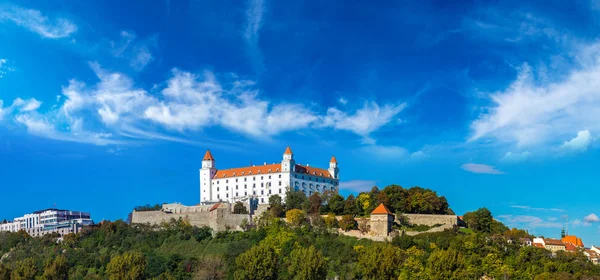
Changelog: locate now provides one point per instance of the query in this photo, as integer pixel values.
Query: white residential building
(261, 181)
(49, 220)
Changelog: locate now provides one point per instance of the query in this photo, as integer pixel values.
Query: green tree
(314, 204)
(307, 264)
(443, 264)
(331, 221)
(379, 261)
(348, 222)
(294, 200)
(4, 272)
(479, 220)
(129, 266)
(260, 262)
(24, 270)
(351, 206)
(336, 204)
(56, 269)
(295, 217)
(365, 203)
(239, 208)
(276, 206)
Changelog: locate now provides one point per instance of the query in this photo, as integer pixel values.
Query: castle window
(218, 182)
(269, 191)
(245, 186)
(236, 180)
(310, 178)
(245, 193)
(227, 195)
(245, 178)
(217, 188)
(236, 194)
(253, 178)
(254, 192)
(226, 181)
(262, 185)
(262, 192)
(261, 177)
(295, 176)
(279, 176)
(279, 190)
(262, 200)
(236, 187)
(280, 183)
(253, 185)
(227, 188)
(317, 179)
(269, 176)
(302, 177)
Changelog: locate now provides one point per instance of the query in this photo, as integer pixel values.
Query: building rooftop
(208, 156)
(553, 242)
(573, 240)
(381, 209)
(270, 168)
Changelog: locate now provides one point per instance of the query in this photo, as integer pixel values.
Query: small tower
(288, 164)
(207, 172)
(333, 168)
(382, 221)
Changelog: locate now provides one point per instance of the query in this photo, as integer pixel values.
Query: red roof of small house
(381, 209)
(214, 207)
(539, 245)
(553, 242)
(570, 247)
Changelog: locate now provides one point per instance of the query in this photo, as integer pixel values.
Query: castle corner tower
(207, 172)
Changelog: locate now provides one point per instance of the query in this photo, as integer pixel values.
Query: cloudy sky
(106, 105)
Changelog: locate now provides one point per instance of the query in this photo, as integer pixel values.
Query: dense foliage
(398, 199)
(307, 250)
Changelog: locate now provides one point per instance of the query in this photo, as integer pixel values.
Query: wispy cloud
(481, 168)
(525, 207)
(357, 185)
(137, 52)
(254, 20)
(4, 68)
(188, 102)
(418, 155)
(516, 157)
(527, 222)
(365, 120)
(36, 22)
(542, 112)
(385, 152)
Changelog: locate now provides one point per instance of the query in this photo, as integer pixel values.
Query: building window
(280, 176)
(280, 183)
(310, 178)
(253, 178)
(218, 182)
(253, 186)
(227, 188)
(236, 194)
(236, 187)
(245, 193)
(295, 176)
(226, 181)
(254, 192)
(262, 185)
(262, 200)
(217, 188)
(279, 190)
(245, 186)
(269, 176)
(269, 191)
(227, 195)
(245, 179)
(236, 180)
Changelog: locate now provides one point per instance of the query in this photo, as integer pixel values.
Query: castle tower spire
(333, 168)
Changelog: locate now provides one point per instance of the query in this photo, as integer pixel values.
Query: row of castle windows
(262, 185)
(246, 193)
(246, 179)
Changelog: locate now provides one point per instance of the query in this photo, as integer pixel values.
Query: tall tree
(351, 206)
(314, 204)
(294, 200)
(129, 266)
(260, 262)
(239, 208)
(307, 264)
(479, 220)
(336, 204)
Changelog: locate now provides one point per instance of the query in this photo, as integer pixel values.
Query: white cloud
(525, 207)
(357, 185)
(137, 52)
(419, 155)
(254, 16)
(580, 143)
(591, 218)
(189, 102)
(343, 101)
(4, 67)
(19, 105)
(365, 120)
(515, 157)
(528, 222)
(38, 23)
(534, 112)
(480, 168)
(385, 152)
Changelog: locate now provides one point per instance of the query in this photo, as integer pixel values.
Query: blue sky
(107, 105)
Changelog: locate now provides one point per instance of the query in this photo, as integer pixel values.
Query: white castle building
(262, 181)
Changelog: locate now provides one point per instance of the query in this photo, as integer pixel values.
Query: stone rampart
(446, 221)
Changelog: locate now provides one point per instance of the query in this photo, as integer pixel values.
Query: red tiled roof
(288, 151)
(214, 207)
(574, 240)
(381, 209)
(312, 171)
(333, 159)
(570, 247)
(250, 170)
(553, 242)
(539, 245)
(208, 156)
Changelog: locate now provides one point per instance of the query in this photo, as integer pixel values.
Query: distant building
(592, 255)
(259, 182)
(595, 249)
(573, 240)
(382, 221)
(554, 245)
(49, 221)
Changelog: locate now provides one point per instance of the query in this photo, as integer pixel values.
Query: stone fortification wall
(447, 221)
(219, 219)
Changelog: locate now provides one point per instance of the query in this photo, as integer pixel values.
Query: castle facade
(259, 182)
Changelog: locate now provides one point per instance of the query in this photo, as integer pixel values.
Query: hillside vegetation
(306, 248)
